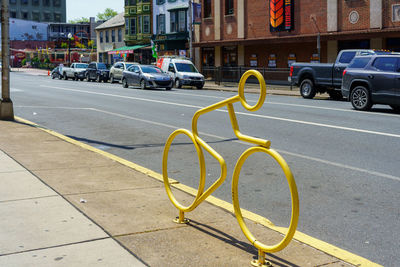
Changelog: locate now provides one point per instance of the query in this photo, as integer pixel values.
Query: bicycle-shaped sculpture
(260, 146)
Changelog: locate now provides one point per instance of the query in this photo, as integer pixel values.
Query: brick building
(240, 33)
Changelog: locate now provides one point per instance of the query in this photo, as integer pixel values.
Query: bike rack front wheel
(293, 192)
(167, 184)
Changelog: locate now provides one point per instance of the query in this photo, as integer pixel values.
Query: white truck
(77, 71)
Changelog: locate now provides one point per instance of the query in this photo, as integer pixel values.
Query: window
(107, 36)
(24, 2)
(172, 18)
(133, 2)
(13, 1)
(101, 37)
(161, 24)
(35, 2)
(182, 20)
(229, 7)
(57, 3)
(126, 26)
(57, 17)
(120, 35)
(133, 26)
(146, 24)
(139, 24)
(207, 8)
(359, 62)
(35, 16)
(13, 14)
(160, 2)
(46, 2)
(113, 36)
(47, 16)
(229, 55)
(24, 15)
(385, 63)
(346, 57)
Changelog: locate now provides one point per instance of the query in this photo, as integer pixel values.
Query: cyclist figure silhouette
(261, 145)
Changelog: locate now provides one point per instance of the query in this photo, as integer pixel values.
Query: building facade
(110, 36)
(138, 28)
(85, 31)
(39, 10)
(171, 26)
(273, 34)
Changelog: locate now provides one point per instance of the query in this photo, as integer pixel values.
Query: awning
(126, 49)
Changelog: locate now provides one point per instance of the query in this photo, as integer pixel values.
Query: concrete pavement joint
(56, 246)
(115, 190)
(304, 238)
(29, 198)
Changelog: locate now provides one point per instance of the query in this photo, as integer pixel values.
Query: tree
(107, 14)
(83, 19)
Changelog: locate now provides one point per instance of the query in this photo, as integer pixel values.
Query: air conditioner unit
(395, 13)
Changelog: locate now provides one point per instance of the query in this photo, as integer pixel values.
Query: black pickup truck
(315, 78)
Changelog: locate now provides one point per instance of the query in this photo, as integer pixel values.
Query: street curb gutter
(301, 237)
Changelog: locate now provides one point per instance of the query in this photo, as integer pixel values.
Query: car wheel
(142, 84)
(360, 98)
(65, 76)
(59, 76)
(307, 89)
(395, 107)
(125, 83)
(178, 83)
(199, 86)
(335, 95)
(112, 78)
(81, 79)
(87, 77)
(167, 88)
(53, 76)
(98, 79)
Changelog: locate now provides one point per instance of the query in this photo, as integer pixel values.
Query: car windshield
(359, 62)
(185, 67)
(82, 66)
(128, 65)
(101, 66)
(151, 70)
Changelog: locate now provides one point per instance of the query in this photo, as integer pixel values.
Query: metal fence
(233, 74)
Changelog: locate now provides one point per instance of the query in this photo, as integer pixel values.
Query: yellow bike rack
(261, 146)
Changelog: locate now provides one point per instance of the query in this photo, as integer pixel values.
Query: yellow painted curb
(299, 236)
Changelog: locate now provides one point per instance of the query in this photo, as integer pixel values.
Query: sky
(89, 8)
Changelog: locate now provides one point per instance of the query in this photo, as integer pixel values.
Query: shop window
(160, 24)
(146, 24)
(208, 56)
(207, 8)
(229, 7)
(229, 54)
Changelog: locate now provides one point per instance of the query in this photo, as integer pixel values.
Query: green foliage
(64, 45)
(46, 60)
(23, 62)
(107, 14)
(83, 19)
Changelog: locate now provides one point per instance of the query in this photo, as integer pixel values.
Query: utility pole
(190, 30)
(6, 105)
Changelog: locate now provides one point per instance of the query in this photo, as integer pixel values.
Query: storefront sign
(314, 58)
(272, 61)
(291, 59)
(281, 15)
(253, 60)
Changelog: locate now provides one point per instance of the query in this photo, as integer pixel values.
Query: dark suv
(97, 72)
(370, 80)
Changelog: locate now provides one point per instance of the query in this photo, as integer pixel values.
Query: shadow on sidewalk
(218, 234)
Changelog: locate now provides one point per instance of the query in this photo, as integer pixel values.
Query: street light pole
(190, 30)
(69, 49)
(6, 105)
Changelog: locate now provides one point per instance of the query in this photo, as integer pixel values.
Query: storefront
(137, 53)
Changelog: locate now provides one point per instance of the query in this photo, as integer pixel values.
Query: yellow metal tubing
(165, 171)
(293, 192)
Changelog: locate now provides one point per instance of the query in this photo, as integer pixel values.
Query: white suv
(117, 69)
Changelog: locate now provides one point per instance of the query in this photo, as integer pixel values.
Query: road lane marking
(299, 236)
(240, 113)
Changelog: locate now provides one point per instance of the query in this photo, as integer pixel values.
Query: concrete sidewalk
(64, 203)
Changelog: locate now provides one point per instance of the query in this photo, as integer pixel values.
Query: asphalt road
(345, 163)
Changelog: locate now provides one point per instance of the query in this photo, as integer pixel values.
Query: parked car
(373, 80)
(77, 71)
(55, 73)
(117, 69)
(97, 71)
(315, 78)
(182, 71)
(146, 76)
